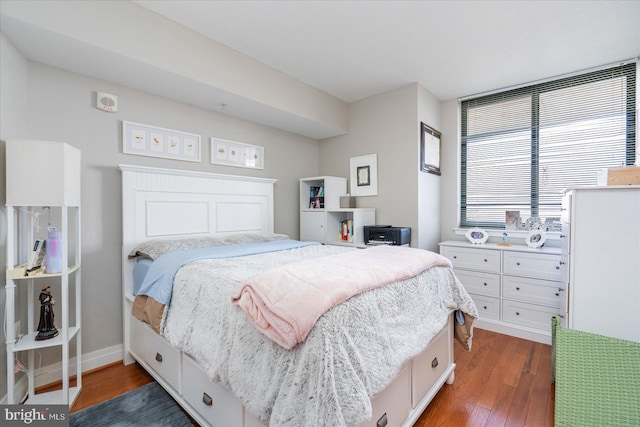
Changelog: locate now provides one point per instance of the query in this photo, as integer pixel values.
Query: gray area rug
(146, 406)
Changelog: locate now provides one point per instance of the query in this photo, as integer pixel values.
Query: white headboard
(169, 203)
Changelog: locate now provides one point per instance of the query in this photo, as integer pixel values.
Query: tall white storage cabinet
(601, 260)
(43, 174)
(321, 214)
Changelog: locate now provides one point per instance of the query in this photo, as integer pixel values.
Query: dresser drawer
(209, 398)
(479, 283)
(538, 266)
(544, 292)
(428, 366)
(391, 407)
(530, 315)
(488, 307)
(163, 358)
(473, 259)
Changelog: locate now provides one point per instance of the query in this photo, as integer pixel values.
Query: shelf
(53, 397)
(18, 273)
(28, 342)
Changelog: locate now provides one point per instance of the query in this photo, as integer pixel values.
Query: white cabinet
(322, 219)
(601, 260)
(312, 226)
(517, 289)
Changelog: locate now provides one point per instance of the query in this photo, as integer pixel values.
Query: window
(522, 147)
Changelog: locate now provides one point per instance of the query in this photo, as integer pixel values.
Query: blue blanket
(158, 283)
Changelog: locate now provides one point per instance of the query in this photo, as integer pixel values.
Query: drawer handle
(382, 421)
(485, 307)
(485, 283)
(159, 357)
(435, 363)
(557, 267)
(206, 399)
(485, 260)
(454, 257)
(517, 288)
(517, 263)
(517, 313)
(562, 263)
(562, 236)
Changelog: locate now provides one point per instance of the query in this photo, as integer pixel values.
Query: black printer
(386, 235)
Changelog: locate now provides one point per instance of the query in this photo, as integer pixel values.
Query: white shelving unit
(322, 224)
(57, 166)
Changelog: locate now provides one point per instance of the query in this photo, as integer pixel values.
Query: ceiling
(355, 49)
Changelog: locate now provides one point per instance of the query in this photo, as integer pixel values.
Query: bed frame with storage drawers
(165, 203)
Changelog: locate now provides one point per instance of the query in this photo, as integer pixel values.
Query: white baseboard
(515, 330)
(52, 373)
(20, 390)
(96, 359)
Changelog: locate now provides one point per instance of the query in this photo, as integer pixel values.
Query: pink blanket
(284, 303)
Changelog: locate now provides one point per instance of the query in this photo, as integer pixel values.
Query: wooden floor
(502, 381)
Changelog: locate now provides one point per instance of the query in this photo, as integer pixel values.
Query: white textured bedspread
(352, 353)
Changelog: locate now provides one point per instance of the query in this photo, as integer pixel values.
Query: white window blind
(521, 148)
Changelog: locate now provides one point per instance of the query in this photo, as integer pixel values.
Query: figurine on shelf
(505, 240)
(46, 326)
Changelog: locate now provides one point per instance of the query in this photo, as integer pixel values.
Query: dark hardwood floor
(502, 381)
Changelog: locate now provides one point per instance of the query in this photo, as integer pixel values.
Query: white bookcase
(323, 223)
(30, 162)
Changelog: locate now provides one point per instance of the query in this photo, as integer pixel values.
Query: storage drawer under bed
(391, 407)
(209, 398)
(162, 358)
(429, 365)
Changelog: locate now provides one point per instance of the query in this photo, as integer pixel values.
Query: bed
(356, 366)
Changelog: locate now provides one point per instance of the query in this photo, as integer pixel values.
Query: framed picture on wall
(363, 175)
(430, 145)
(153, 141)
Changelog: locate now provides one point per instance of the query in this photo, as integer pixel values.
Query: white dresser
(601, 260)
(517, 289)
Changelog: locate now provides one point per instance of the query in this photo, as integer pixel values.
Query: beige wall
(13, 122)
(44, 102)
(388, 125)
(60, 106)
(450, 184)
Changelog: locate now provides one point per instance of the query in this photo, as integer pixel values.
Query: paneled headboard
(168, 203)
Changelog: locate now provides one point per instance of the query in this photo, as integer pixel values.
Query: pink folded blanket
(284, 303)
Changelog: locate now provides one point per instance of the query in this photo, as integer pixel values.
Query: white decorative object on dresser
(517, 289)
(321, 216)
(601, 260)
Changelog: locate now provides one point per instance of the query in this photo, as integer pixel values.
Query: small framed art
(477, 236)
(153, 141)
(363, 175)
(238, 154)
(429, 149)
